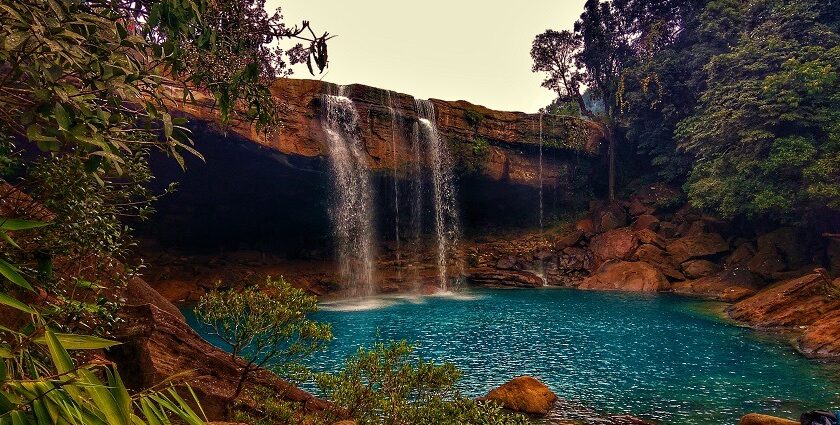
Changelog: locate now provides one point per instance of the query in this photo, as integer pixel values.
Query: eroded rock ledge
(501, 145)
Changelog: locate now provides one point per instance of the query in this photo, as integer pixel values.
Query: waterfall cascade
(447, 225)
(394, 130)
(352, 210)
(541, 175)
(416, 206)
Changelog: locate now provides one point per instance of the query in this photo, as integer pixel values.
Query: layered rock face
(500, 145)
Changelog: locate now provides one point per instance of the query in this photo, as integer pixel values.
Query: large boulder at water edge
(757, 419)
(822, 339)
(790, 304)
(524, 394)
(626, 276)
(730, 285)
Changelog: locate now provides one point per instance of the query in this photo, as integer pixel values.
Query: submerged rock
(757, 419)
(524, 394)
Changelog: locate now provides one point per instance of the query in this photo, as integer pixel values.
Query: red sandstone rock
(626, 276)
(659, 259)
(650, 237)
(568, 239)
(585, 225)
(697, 246)
(646, 221)
(524, 394)
(790, 304)
(617, 244)
(729, 286)
(757, 419)
(158, 346)
(822, 338)
(695, 269)
(741, 255)
(496, 277)
(637, 208)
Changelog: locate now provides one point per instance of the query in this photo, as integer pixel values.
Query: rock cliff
(502, 146)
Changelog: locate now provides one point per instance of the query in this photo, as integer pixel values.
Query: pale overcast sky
(446, 49)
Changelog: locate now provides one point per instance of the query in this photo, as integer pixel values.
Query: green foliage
(470, 155)
(266, 325)
(42, 383)
(272, 409)
(101, 76)
(766, 135)
(388, 385)
(474, 118)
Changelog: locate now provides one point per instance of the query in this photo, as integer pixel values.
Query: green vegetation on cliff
(738, 101)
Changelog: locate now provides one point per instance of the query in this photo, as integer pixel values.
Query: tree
(96, 77)
(388, 385)
(265, 326)
(766, 134)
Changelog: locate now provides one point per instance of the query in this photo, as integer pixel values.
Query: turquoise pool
(658, 357)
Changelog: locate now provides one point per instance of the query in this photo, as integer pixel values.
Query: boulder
(659, 259)
(833, 254)
(667, 229)
(697, 246)
(790, 244)
(790, 304)
(524, 394)
(741, 255)
(822, 338)
(504, 278)
(637, 208)
(585, 226)
(651, 237)
(158, 346)
(617, 244)
(730, 285)
(626, 276)
(695, 269)
(568, 239)
(646, 221)
(611, 218)
(767, 262)
(757, 419)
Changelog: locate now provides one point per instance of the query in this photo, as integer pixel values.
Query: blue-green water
(654, 356)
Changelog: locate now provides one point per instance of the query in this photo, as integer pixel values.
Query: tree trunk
(611, 159)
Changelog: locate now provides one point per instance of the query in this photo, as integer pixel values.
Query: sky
(445, 49)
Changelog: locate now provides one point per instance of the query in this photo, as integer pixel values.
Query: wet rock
(646, 221)
(822, 338)
(626, 276)
(757, 419)
(524, 394)
(617, 244)
(729, 285)
(695, 269)
(789, 304)
(697, 246)
(659, 259)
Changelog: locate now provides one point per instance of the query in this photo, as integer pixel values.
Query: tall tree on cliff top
(608, 37)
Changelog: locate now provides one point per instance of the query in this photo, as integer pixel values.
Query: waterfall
(352, 209)
(416, 207)
(447, 227)
(541, 172)
(391, 109)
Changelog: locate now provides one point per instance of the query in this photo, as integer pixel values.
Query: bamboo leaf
(12, 273)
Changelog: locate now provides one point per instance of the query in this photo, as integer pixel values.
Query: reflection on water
(659, 357)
